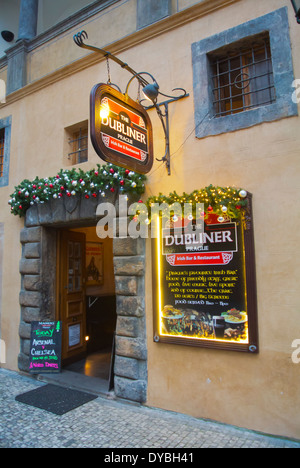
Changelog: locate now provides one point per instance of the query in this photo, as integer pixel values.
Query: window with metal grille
(78, 143)
(2, 135)
(242, 77)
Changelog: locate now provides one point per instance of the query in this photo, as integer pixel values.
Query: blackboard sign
(205, 279)
(45, 347)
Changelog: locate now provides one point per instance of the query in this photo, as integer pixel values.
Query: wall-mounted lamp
(296, 6)
(150, 92)
(8, 36)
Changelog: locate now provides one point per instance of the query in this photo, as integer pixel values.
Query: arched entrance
(39, 296)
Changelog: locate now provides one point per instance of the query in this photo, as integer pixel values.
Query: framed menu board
(204, 283)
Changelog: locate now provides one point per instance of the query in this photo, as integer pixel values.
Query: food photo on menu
(230, 325)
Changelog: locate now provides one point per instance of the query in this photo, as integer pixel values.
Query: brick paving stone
(106, 423)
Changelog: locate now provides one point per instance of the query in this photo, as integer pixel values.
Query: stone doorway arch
(38, 286)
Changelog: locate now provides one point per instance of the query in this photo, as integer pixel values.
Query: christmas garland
(222, 201)
(104, 179)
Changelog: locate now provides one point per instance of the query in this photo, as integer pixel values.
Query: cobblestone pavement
(111, 424)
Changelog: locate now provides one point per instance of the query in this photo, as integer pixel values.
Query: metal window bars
(79, 142)
(242, 79)
(2, 136)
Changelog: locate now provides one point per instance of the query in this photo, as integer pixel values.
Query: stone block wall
(30, 295)
(131, 343)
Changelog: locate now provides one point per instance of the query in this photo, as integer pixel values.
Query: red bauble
(238, 207)
(68, 194)
(122, 182)
(127, 172)
(112, 190)
(34, 187)
(87, 196)
(94, 195)
(62, 188)
(210, 208)
(96, 173)
(111, 171)
(20, 207)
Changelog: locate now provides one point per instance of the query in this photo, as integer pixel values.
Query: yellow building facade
(212, 141)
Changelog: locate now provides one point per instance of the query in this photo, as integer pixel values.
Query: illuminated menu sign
(121, 131)
(206, 283)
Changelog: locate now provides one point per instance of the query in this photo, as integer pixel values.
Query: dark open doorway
(100, 328)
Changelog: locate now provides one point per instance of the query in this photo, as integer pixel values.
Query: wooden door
(72, 307)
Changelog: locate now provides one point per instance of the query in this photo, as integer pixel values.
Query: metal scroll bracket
(163, 116)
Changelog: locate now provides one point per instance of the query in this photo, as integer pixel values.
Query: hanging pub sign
(121, 130)
(204, 284)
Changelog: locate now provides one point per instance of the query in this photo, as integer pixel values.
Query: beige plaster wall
(259, 392)
(63, 50)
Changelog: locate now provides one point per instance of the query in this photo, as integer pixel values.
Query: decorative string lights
(229, 201)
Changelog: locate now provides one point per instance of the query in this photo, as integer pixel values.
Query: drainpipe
(17, 54)
(28, 19)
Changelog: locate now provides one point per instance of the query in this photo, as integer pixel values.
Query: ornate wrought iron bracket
(164, 118)
(139, 76)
